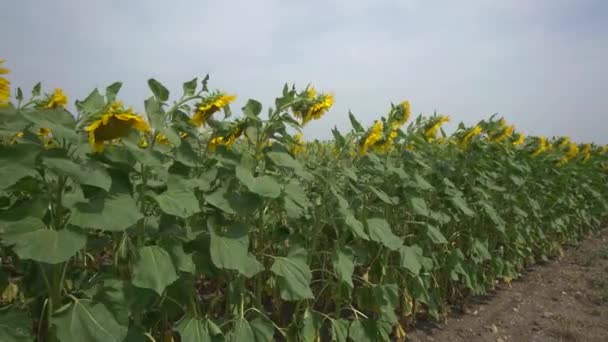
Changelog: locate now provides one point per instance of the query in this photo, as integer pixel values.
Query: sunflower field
(184, 223)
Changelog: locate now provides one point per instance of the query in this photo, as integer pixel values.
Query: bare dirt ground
(562, 300)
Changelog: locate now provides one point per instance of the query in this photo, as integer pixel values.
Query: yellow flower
(161, 139)
(604, 149)
(563, 142)
(210, 105)
(183, 135)
(58, 99)
(387, 144)
(321, 105)
(431, 132)
(311, 92)
(403, 114)
(374, 135)
(5, 86)
(470, 134)
(542, 146)
(502, 123)
(227, 140)
(114, 124)
(44, 132)
(520, 139)
(299, 146)
(213, 143)
(505, 133)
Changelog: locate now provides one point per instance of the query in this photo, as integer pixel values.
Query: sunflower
(431, 132)
(57, 99)
(5, 86)
(115, 123)
(469, 135)
(520, 139)
(206, 108)
(373, 136)
(299, 145)
(542, 146)
(229, 139)
(505, 133)
(318, 108)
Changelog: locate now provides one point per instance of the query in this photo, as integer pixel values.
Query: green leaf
(384, 197)
(233, 202)
(266, 186)
(311, 325)
(159, 90)
(180, 203)
(241, 332)
(154, 269)
(380, 231)
(461, 204)
(85, 320)
(419, 206)
(36, 89)
(190, 87)
(284, 160)
(356, 227)
(252, 109)
(339, 330)
(58, 120)
(344, 266)
(421, 183)
(89, 173)
(115, 213)
(112, 90)
(410, 258)
(17, 162)
(263, 330)
(93, 104)
(294, 275)
(435, 234)
(15, 325)
(33, 241)
(356, 125)
(193, 329)
(229, 250)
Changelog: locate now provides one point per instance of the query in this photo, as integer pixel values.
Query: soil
(565, 299)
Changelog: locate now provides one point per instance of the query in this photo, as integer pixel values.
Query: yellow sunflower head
(115, 123)
(57, 99)
(5, 86)
(206, 108)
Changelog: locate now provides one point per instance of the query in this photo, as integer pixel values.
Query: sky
(541, 64)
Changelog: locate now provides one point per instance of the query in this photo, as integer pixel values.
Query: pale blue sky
(541, 64)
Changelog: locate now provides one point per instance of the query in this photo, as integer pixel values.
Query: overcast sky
(542, 64)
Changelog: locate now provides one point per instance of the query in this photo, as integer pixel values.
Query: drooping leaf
(159, 90)
(85, 320)
(339, 330)
(89, 173)
(411, 259)
(32, 240)
(263, 330)
(178, 202)
(241, 332)
(380, 231)
(114, 213)
(435, 234)
(229, 249)
(154, 269)
(15, 325)
(293, 274)
(17, 162)
(343, 265)
(193, 329)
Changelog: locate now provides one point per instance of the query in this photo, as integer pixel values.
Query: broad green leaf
(293, 274)
(356, 227)
(380, 231)
(112, 90)
(232, 202)
(32, 240)
(384, 197)
(284, 160)
(89, 173)
(92, 104)
(180, 203)
(419, 206)
(410, 258)
(461, 204)
(265, 186)
(263, 330)
(85, 320)
(241, 332)
(435, 234)
(114, 213)
(58, 120)
(310, 326)
(252, 109)
(15, 325)
(421, 183)
(159, 90)
(344, 266)
(230, 249)
(339, 330)
(190, 87)
(193, 329)
(154, 269)
(17, 162)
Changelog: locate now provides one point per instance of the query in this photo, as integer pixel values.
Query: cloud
(538, 63)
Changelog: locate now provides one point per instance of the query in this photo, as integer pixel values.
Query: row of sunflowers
(183, 224)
